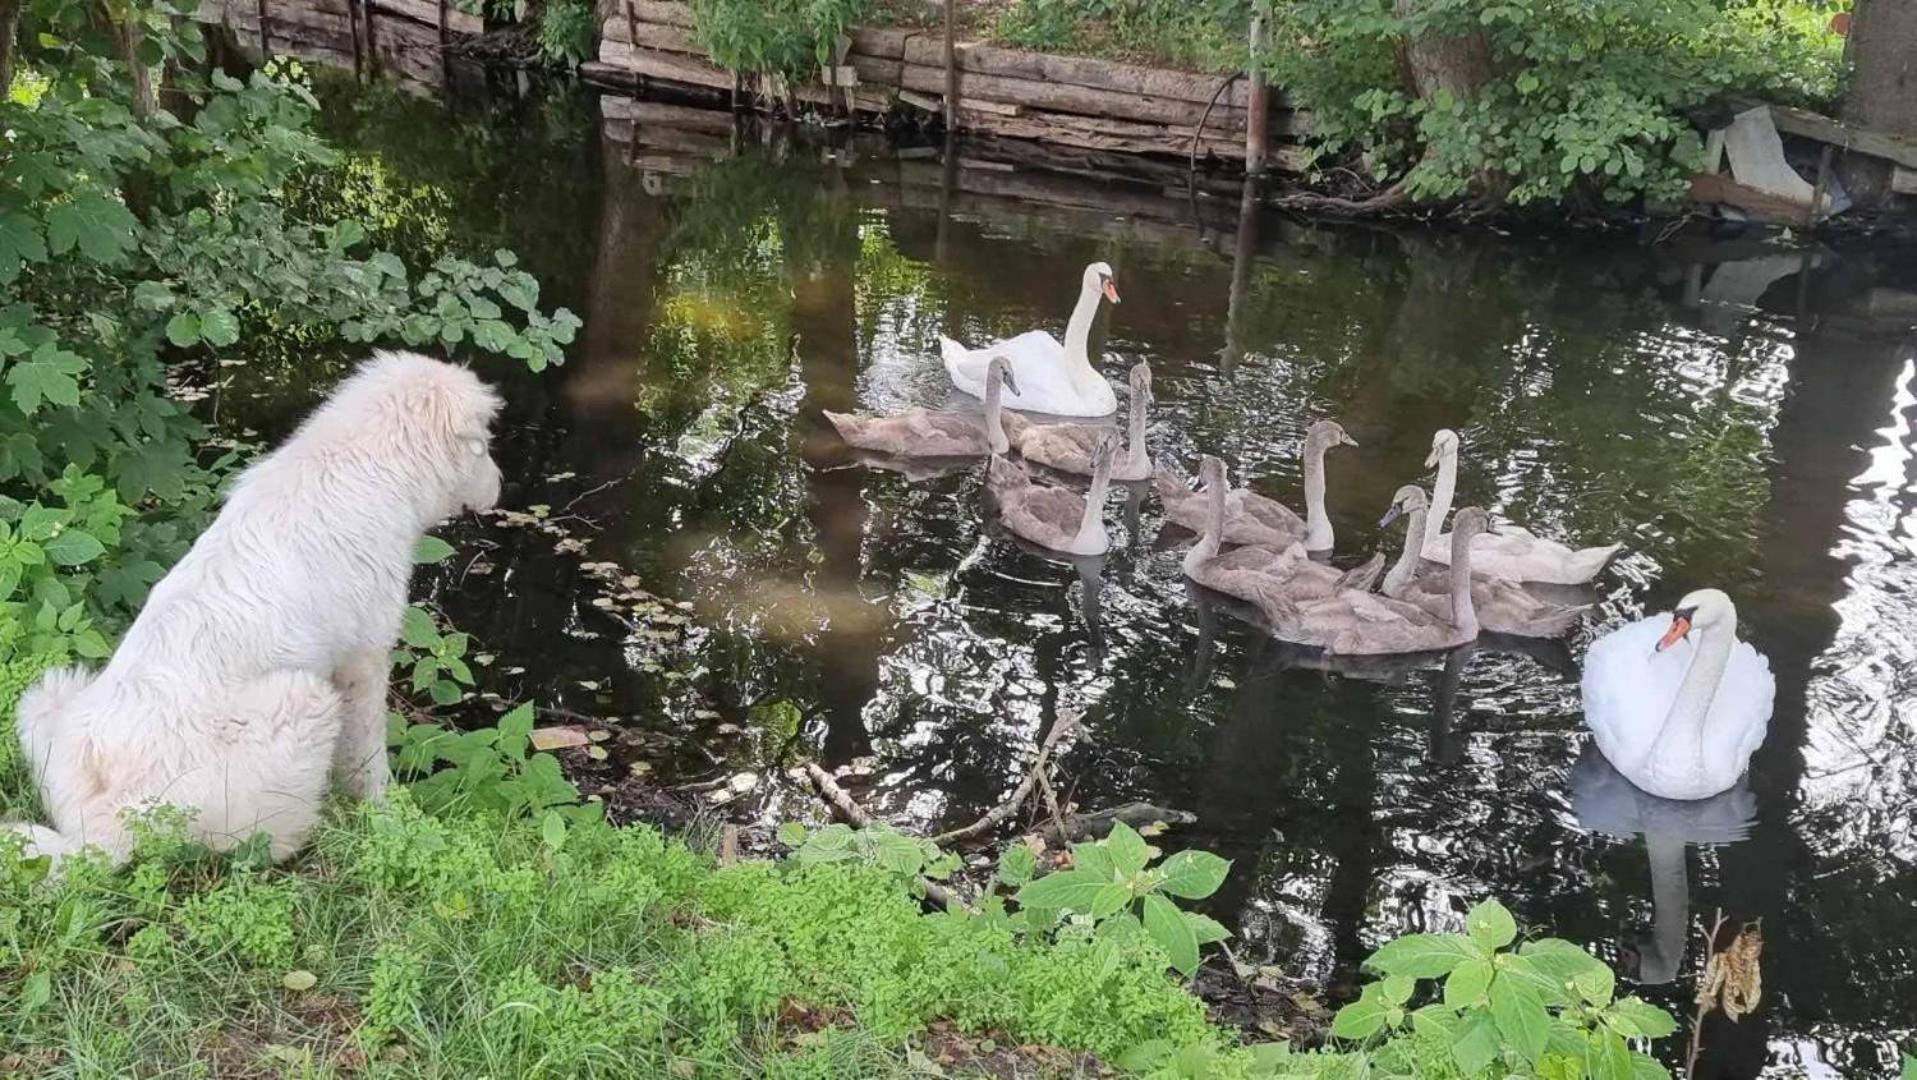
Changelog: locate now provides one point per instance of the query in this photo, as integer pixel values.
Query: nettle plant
(1546, 1008)
(1114, 889)
(488, 770)
(433, 660)
(877, 844)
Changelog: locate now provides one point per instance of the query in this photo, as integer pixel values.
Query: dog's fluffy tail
(40, 710)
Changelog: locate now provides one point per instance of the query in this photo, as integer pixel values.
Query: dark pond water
(1738, 417)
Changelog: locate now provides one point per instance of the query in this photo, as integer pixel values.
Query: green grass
(405, 944)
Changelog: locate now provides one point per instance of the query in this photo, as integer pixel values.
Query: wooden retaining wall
(1070, 101)
(402, 38)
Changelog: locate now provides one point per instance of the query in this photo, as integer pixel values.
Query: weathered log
(667, 12)
(1105, 75)
(657, 65)
(884, 43)
(1057, 96)
(652, 35)
(1141, 139)
(1135, 814)
(426, 12)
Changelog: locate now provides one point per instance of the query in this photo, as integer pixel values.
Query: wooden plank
(652, 35)
(668, 66)
(1107, 75)
(426, 12)
(1718, 188)
(1064, 97)
(1810, 125)
(884, 43)
(1903, 181)
(662, 11)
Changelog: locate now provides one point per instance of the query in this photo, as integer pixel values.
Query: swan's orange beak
(1680, 626)
(1111, 291)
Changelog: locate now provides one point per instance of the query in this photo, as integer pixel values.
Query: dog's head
(439, 415)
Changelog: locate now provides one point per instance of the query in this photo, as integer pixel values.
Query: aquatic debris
(558, 738)
(1734, 979)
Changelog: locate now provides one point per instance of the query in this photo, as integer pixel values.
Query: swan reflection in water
(1604, 801)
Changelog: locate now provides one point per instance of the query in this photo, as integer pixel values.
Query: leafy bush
(784, 37)
(1578, 94)
(566, 32)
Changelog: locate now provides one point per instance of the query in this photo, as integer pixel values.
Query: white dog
(261, 660)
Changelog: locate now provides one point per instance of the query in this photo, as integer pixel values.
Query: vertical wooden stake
(1258, 116)
(951, 65)
(1821, 189)
(266, 45)
(352, 25)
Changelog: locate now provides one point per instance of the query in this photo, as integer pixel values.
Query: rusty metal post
(1258, 115)
(951, 65)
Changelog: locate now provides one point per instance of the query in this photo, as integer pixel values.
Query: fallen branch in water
(1067, 722)
(852, 814)
(1096, 825)
(1704, 1000)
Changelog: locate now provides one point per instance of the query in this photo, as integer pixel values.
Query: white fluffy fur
(260, 661)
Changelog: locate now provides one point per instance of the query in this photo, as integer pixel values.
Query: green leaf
(101, 228)
(183, 329)
(1424, 956)
(1147, 1056)
(20, 243)
(1361, 1019)
(1016, 865)
(74, 547)
(219, 327)
(389, 264)
(1520, 1017)
(1205, 928)
(791, 834)
(1467, 983)
(1476, 1047)
(90, 644)
(1645, 1068)
(552, 830)
(1397, 989)
(1095, 859)
(1562, 960)
(431, 549)
(1167, 926)
(1596, 985)
(1067, 890)
(37, 990)
(1194, 875)
(1129, 850)
(153, 296)
(1635, 1018)
(1490, 925)
(49, 376)
(446, 692)
(299, 981)
(1606, 1057)
(1910, 1068)
(1110, 900)
(416, 628)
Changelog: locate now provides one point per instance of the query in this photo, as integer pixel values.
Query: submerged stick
(1067, 722)
(1703, 1000)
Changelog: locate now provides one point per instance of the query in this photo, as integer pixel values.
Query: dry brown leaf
(1734, 977)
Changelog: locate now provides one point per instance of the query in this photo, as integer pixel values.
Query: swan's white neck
(1464, 613)
(1078, 335)
(1318, 534)
(1441, 495)
(1136, 462)
(1091, 528)
(1683, 731)
(994, 414)
(1207, 547)
(1407, 564)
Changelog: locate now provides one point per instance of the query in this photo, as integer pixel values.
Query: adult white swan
(1508, 552)
(1051, 378)
(1681, 723)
